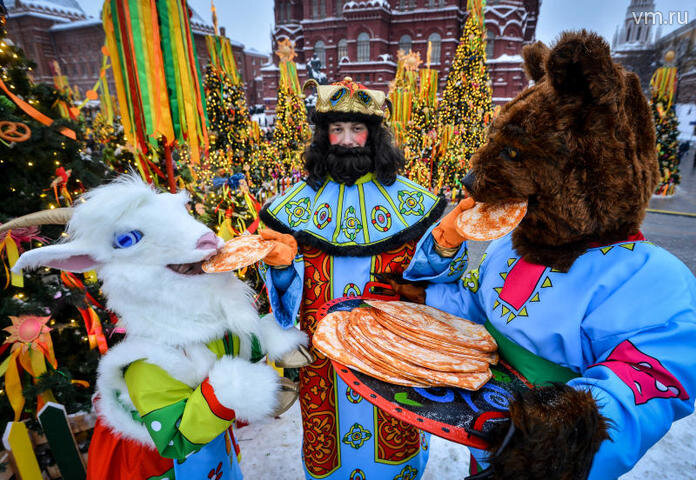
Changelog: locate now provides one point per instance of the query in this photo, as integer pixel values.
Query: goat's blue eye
(125, 240)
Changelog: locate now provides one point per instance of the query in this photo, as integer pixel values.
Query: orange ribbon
(34, 113)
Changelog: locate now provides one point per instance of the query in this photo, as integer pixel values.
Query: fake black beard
(346, 165)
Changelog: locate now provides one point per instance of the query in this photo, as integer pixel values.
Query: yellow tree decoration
(466, 109)
(31, 346)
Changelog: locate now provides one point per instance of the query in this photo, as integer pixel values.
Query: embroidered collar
(363, 219)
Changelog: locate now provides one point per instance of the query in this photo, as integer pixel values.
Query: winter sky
(250, 22)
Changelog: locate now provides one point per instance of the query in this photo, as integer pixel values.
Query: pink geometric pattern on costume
(520, 283)
(643, 374)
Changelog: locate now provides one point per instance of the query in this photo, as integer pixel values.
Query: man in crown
(350, 220)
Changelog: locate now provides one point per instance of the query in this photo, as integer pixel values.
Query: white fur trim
(190, 366)
(277, 341)
(251, 389)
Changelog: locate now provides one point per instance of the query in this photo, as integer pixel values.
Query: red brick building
(59, 30)
(361, 38)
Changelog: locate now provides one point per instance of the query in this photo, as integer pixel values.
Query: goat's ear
(63, 256)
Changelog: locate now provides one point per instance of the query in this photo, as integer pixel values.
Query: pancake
(488, 222)
(438, 325)
(237, 253)
(327, 342)
(404, 349)
(431, 343)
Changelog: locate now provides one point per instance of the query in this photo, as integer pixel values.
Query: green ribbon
(535, 369)
(170, 70)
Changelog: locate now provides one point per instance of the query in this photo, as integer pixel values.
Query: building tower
(636, 32)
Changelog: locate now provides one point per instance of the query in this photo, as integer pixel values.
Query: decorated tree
(419, 142)
(663, 85)
(228, 114)
(291, 128)
(413, 95)
(52, 317)
(466, 102)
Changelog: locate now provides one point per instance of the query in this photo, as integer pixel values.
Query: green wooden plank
(54, 422)
(17, 443)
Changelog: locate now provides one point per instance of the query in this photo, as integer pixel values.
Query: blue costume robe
(345, 234)
(622, 319)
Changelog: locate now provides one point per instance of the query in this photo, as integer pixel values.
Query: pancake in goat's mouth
(187, 268)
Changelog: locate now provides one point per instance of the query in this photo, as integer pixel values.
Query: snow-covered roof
(505, 58)
(635, 46)
(374, 62)
(254, 52)
(198, 25)
(353, 5)
(88, 22)
(60, 7)
(418, 11)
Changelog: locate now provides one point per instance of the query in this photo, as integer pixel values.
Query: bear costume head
(578, 146)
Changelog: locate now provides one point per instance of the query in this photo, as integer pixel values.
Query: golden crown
(348, 96)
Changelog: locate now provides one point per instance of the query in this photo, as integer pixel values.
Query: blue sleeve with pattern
(428, 265)
(640, 358)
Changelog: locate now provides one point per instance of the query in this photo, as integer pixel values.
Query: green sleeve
(180, 420)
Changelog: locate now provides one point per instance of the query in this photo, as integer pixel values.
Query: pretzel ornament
(14, 131)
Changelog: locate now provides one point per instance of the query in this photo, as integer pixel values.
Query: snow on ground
(271, 451)
(686, 113)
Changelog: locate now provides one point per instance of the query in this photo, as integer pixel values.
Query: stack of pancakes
(409, 344)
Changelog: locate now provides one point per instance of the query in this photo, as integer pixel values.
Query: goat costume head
(137, 240)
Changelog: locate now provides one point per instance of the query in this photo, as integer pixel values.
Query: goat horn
(54, 216)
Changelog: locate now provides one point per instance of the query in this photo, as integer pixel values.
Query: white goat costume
(172, 388)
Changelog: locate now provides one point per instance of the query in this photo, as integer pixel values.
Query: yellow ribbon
(9, 245)
(13, 386)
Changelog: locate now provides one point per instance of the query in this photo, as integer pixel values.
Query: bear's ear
(534, 56)
(580, 64)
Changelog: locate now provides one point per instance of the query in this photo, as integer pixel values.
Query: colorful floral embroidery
(351, 290)
(411, 203)
(357, 474)
(298, 212)
(351, 225)
(381, 218)
(322, 216)
(353, 396)
(357, 436)
(407, 473)
(458, 265)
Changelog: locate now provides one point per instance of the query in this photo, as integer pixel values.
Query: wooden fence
(19, 457)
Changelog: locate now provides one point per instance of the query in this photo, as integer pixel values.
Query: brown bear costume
(579, 146)
(603, 322)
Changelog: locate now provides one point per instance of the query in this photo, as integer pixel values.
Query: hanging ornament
(61, 181)
(31, 346)
(286, 50)
(14, 131)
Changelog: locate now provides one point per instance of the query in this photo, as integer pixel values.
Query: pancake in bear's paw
(488, 222)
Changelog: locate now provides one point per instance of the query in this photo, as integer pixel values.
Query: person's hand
(446, 234)
(284, 248)
(405, 289)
